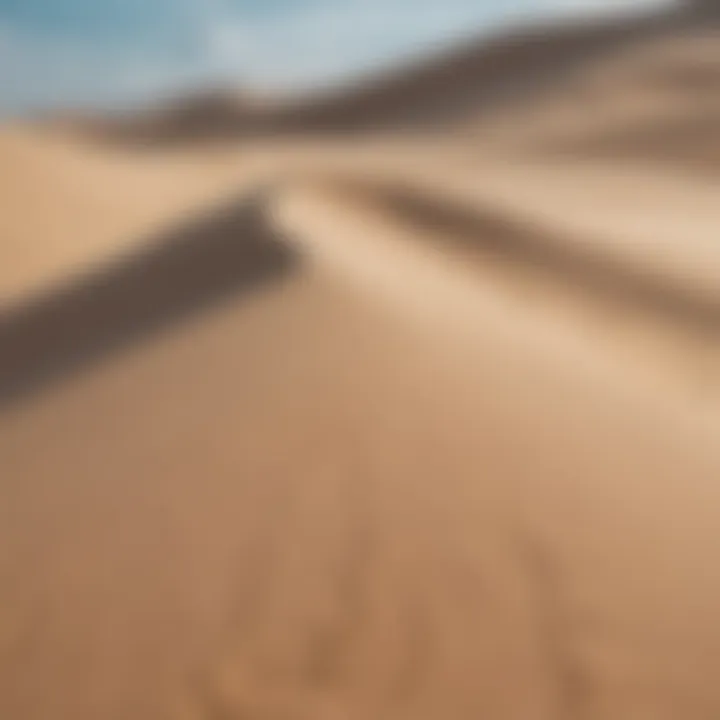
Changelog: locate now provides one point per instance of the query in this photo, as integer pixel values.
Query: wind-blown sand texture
(366, 427)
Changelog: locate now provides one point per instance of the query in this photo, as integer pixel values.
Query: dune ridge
(510, 72)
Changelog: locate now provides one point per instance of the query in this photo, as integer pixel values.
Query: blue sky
(56, 53)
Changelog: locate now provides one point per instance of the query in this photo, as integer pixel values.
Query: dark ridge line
(226, 252)
(506, 69)
(494, 230)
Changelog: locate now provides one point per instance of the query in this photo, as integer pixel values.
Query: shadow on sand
(228, 251)
(493, 232)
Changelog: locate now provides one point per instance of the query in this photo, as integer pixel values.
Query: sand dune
(67, 204)
(395, 427)
(508, 75)
(657, 101)
(626, 312)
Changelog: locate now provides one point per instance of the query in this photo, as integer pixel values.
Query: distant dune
(399, 404)
(511, 71)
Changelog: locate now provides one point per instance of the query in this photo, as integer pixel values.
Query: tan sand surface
(335, 428)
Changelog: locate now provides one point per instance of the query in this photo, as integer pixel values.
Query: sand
(312, 428)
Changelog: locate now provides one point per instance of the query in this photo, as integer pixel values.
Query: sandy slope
(333, 500)
(579, 295)
(65, 204)
(395, 430)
